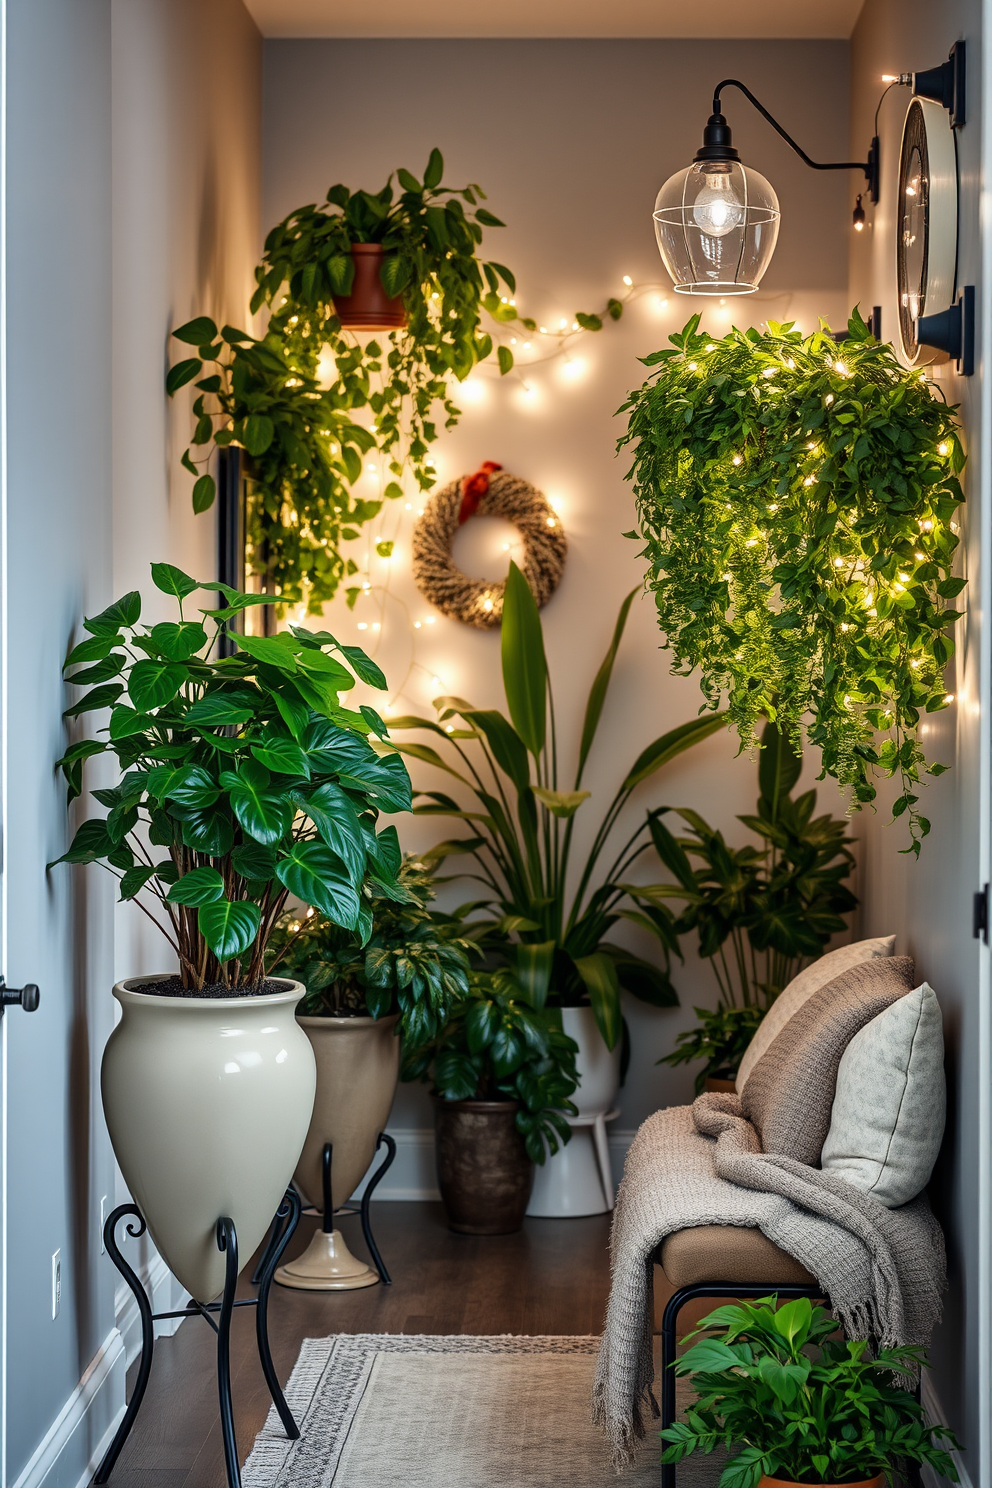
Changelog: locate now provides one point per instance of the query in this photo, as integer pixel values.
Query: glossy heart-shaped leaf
(229, 929)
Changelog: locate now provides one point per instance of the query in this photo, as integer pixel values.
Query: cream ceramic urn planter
(208, 1101)
(358, 1067)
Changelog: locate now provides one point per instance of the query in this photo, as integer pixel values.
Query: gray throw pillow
(789, 1094)
(812, 977)
(888, 1112)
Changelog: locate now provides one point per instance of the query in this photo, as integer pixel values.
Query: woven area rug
(448, 1412)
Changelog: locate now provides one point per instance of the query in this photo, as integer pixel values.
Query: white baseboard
(75, 1442)
(412, 1175)
(937, 1417)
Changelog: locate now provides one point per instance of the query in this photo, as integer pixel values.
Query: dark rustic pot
(483, 1170)
(369, 307)
(715, 1086)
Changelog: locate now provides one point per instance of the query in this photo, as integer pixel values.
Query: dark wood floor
(553, 1277)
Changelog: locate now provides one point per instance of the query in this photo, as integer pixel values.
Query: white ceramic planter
(208, 1101)
(358, 1066)
(569, 1183)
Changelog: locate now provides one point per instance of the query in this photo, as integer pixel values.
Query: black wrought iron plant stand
(286, 1220)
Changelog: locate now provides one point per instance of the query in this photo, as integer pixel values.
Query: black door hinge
(980, 915)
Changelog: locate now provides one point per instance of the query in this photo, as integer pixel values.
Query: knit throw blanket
(882, 1269)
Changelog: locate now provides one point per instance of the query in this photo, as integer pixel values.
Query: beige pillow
(790, 1091)
(814, 976)
(888, 1113)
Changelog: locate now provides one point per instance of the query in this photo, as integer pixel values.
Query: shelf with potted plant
(793, 1403)
(556, 939)
(362, 998)
(502, 1073)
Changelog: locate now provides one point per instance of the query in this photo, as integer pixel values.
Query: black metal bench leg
(669, 1347)
(287, 1218)
(147, 1333)
(227, 1241)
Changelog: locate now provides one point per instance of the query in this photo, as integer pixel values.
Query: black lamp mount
(718, 141)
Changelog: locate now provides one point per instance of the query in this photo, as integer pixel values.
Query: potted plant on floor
(759, 913)
(796, 1405)
(556, 937)
(243, 780)
(502, 1072)
(361, 998)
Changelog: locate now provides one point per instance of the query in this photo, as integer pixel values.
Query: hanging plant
(796, 499)
(310, 398)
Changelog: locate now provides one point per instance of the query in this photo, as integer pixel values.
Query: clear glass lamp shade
(717, 226)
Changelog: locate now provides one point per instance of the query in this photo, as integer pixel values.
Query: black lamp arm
(868, 166)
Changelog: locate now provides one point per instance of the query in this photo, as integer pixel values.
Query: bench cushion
(728, 1253)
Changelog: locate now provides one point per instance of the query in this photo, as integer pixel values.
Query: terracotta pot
(207, 1101)
(715, 1086)
(767, 1482)
(483, 1170)
(369, 307)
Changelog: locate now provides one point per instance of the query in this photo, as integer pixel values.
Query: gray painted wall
(929, 903)
(59, 929)
(571, 141)
(132, 203)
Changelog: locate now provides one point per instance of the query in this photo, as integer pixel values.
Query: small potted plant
(502, 1072)
(360, 998)
(759, 913)
(242, 780)
(796, 1405)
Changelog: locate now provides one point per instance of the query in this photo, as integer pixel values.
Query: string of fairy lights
(385, 545)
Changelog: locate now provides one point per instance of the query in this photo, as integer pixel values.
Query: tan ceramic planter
(358, 1065)
(208, 1101)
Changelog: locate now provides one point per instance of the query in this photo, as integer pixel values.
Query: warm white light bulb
(718, 209)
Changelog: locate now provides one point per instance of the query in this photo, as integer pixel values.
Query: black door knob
(27, 997)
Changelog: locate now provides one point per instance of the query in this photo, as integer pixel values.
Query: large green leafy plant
(244, 780)
(555, 935)
(496, 1045)
(758, 912)
(791, 1401)
(415, 963)
(796, 499)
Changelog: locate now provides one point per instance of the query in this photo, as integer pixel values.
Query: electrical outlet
(56, 1283)
(103, 1221)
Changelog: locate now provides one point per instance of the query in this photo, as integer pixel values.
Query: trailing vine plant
(795, 497)
(309, 399)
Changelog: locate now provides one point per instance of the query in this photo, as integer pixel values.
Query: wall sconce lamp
(717, 221)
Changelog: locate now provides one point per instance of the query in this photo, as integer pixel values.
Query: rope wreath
(491, 494)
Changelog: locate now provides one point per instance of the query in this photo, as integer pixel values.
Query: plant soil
(173, 987)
